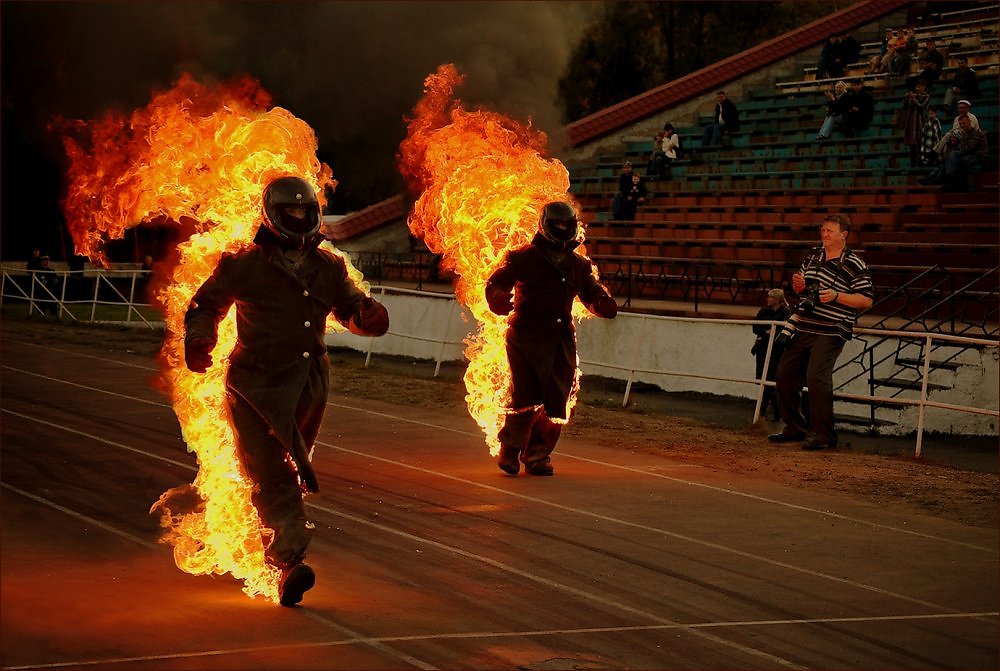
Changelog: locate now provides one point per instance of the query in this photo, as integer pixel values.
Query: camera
(811, 298)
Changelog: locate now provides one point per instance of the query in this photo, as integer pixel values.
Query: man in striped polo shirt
(835, 285)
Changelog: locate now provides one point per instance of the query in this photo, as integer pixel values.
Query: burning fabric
(499, 214)
(220, 162)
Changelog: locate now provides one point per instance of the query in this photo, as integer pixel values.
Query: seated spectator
(829, 65)
(915, 105)
(964, 111)
(859, 108)
(903, 49)
(624, 186)
(666, 145)
(932, 63)
(930, 135)
(848, 52)
(834, 109)
(966, 150)
(880, 61)
(635, 197)
(963, 85)
(725, 120)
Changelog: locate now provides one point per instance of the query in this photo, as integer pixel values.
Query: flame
(482, 181)
(200, 155)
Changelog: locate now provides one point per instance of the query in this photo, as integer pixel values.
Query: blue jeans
(827, 126)
(713, 134)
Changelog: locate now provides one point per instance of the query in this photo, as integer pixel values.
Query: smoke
(347, 68)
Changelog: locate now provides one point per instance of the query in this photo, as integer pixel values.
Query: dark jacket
(541, 336)
(280, 324)
(859, 109)
(730, 115)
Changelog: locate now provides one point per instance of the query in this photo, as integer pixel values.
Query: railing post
(635, 355)
(97, 288)
(371, 341)
(444, 337)
(763, 377)
(925, 378)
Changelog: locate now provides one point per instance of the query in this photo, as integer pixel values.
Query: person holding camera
(835, 285)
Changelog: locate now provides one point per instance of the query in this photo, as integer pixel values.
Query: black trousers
(808, 360)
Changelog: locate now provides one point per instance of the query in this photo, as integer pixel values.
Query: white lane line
(579, 511)
(88, 387)
(80, 516)
(643, 527)
(604, 464)
(509, 634)
(586, 596)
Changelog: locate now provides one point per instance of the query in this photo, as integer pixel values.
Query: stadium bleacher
(746, 211)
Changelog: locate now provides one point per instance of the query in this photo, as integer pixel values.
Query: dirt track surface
(662, 542)
(965, 493)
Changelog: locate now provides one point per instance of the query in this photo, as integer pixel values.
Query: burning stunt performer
(283, 287)
(544, 276)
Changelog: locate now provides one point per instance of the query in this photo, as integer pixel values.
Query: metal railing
(78, 295)
(122, 287)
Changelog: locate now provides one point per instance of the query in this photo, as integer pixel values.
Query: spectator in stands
(965, 110)
(903, 48)
(666, 145)
(536, 285)
(830, 64)
(725, 121)
(835, 285)
(967, 147)
(930, 135)
(859, 108)
(880, 61)
(624, 187)
(964, 85)
(915, 105)
(35, 260)
(635, 197)
(932, 63)
(834, 109)
(776, 310)
(848, 51)
(46, 277)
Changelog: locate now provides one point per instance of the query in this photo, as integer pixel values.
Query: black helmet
(558, 222)
(283, 195)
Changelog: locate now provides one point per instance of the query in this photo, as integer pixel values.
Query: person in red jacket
(283, 287)
(536, 285)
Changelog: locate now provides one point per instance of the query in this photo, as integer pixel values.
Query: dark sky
(349, 69)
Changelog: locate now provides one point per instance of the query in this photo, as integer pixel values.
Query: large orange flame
(202, 155)
(482, 180)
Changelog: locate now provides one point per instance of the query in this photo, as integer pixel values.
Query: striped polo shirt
(847, 274)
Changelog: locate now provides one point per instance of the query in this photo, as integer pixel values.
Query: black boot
(295, 582)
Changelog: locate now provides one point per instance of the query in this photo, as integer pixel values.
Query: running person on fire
(283, 287)
(544, 276)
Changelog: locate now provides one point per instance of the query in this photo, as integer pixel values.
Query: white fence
(713, 353)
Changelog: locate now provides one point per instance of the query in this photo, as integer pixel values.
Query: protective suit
(544, 278)
(283, 288)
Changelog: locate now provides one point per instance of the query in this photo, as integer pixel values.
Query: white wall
(718, 349)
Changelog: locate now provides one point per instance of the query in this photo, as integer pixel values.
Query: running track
(428, 557)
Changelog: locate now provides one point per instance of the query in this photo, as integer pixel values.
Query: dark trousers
(529, 434)
(809, 360)
(276, 493)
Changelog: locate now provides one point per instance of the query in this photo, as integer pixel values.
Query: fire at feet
(198, 157)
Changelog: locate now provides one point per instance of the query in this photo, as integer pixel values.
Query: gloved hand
(198, 354)
(606, 307)
(373, 318)
(499, 301)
